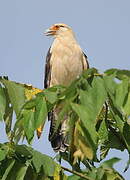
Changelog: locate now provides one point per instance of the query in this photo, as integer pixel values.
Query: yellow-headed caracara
(65, 61)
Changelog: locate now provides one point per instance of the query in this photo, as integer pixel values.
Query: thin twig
(77, 173)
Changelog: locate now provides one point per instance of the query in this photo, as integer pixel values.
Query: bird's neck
(63, 41)
(66, 36)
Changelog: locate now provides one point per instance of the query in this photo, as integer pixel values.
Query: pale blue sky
(102, 29)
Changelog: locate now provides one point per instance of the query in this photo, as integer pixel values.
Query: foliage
(98, 110)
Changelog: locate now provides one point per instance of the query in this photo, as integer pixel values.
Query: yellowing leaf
(30, 91)
(86, 150)
(56, 175)
(78, 155)
(111, 175)
(83, 149)
(39, 131)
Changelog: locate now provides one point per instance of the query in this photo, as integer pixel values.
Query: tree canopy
(98, 108)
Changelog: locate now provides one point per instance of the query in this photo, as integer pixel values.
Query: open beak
(50, 32)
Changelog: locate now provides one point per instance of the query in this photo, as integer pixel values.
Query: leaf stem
(97, 74)
(76, 173)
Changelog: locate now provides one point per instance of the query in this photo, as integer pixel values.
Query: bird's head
(57, 29)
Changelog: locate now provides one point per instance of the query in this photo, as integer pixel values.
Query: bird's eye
(61, 26)
(57, 26)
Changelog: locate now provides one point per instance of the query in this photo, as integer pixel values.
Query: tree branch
(77, 173)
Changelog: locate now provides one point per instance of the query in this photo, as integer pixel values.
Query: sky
(102, 29)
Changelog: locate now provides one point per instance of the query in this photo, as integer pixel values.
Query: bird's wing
(47, 77)
(85, 61)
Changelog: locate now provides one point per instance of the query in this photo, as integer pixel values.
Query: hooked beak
(50, 32)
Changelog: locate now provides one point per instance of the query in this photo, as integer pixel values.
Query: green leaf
(2, 154)
(115, 141)
(95, 173)
(103, 132)
(100, 173)
(17, 172)
(43, 161)
(121, 92)
(16, 94)
(94, 98)
(8, 113)
(70, 92)
(23, 151)
(109, 139)
(117, 115)
(120, 74)
(109, 163)
(127, 106)
(115, 110)
(29, 124)
(87, 122)
(21, 173)
(40, 112)
(2, 102)
(110, 84)
(103, 140)
(126, 134)
(31, 174)
(83, 144)
(19, 130)
(29, 104)
(74, 177)
(7, 171)
(51, 95)
(111, 71)
(8, 119)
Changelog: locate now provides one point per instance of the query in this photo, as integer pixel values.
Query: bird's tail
(58, 139)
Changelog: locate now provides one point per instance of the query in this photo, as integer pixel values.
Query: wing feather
(47, 78)
(85, 61)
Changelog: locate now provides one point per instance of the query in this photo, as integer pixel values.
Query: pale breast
(66, 63)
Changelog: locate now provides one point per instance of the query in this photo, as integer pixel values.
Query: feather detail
(64, 63)
(47, 70)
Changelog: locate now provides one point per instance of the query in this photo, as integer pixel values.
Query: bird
(65, 62)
